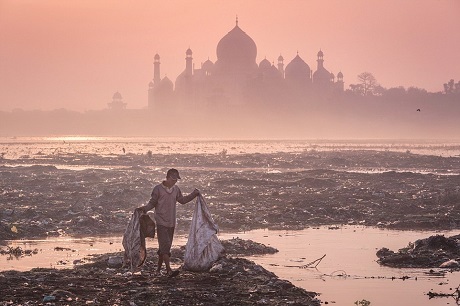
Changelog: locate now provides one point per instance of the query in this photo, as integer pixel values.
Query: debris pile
(17, 251)
(299, 190)
(241, 247)
(231, 281)
(432, 252)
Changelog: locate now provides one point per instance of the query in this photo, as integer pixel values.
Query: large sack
(203, 247)
(140, 226)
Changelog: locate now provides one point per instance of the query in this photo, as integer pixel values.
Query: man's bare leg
(167, 264)
(160, 263)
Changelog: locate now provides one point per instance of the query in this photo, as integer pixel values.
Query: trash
(455, 294)
(238, 280)
(314, 262)
(216, 268)
(434, 251)
(48, 298)
(140, 226)
(203, 247)
(339, 187)
(450, 264)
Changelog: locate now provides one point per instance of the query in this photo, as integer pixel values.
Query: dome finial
(236, 20)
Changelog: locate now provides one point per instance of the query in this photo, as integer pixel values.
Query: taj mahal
(235, 78)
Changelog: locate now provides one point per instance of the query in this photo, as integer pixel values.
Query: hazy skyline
(76, 55)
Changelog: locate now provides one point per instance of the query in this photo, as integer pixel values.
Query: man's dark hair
(172, 171)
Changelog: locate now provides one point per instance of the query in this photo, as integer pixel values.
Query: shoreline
(232, 280)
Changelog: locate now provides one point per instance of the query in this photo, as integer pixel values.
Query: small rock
(216, 268)
(8, 212)
(115, 262)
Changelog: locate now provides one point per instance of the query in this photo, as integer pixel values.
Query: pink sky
(77, 54)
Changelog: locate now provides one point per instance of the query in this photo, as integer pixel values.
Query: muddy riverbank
(80, 194)
(231, 281)
(87, 194)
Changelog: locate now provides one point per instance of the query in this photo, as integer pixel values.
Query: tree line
(367, 86)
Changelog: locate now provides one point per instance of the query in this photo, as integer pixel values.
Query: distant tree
(357, 89)
(379, 90)
(368, 83)
(415, 94)
(415, 91)
(396, 92)
(451, 87)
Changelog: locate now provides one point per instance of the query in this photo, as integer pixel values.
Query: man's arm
(183, 200)
(152, 202)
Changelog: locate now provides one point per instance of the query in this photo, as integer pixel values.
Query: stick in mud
(317, 261)
(455, 294)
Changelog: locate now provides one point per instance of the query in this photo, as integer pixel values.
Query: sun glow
(76, 138)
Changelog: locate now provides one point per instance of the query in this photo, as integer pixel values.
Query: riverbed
(348, 273)
(307, 198)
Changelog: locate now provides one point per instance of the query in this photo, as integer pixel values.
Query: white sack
(203, 247)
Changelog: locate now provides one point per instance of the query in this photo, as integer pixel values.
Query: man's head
(173, 174)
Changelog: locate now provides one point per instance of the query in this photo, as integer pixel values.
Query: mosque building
(117, 102)
(235, 78)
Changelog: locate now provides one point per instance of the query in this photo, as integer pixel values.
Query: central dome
(237, 48)
(297, 68)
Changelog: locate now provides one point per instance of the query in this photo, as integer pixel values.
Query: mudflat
(90, 194)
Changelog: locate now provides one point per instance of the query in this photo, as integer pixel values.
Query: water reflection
(350, 251)
(348, 273)
(110, 146)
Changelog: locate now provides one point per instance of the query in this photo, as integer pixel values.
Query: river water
(348, 273)
(16, 147)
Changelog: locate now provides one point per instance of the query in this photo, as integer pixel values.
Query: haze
(76, 54)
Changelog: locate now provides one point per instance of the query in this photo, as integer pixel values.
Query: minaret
(281, 65)
(156, 70)
(188, 62)
(340, 84)
(340, 77)
(320, 60)
(155, 83)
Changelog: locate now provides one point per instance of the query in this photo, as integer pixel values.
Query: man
(163, 199)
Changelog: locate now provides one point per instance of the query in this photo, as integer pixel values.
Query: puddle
(349, 251)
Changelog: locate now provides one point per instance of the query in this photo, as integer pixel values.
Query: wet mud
(96, 194)
(230, 281)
